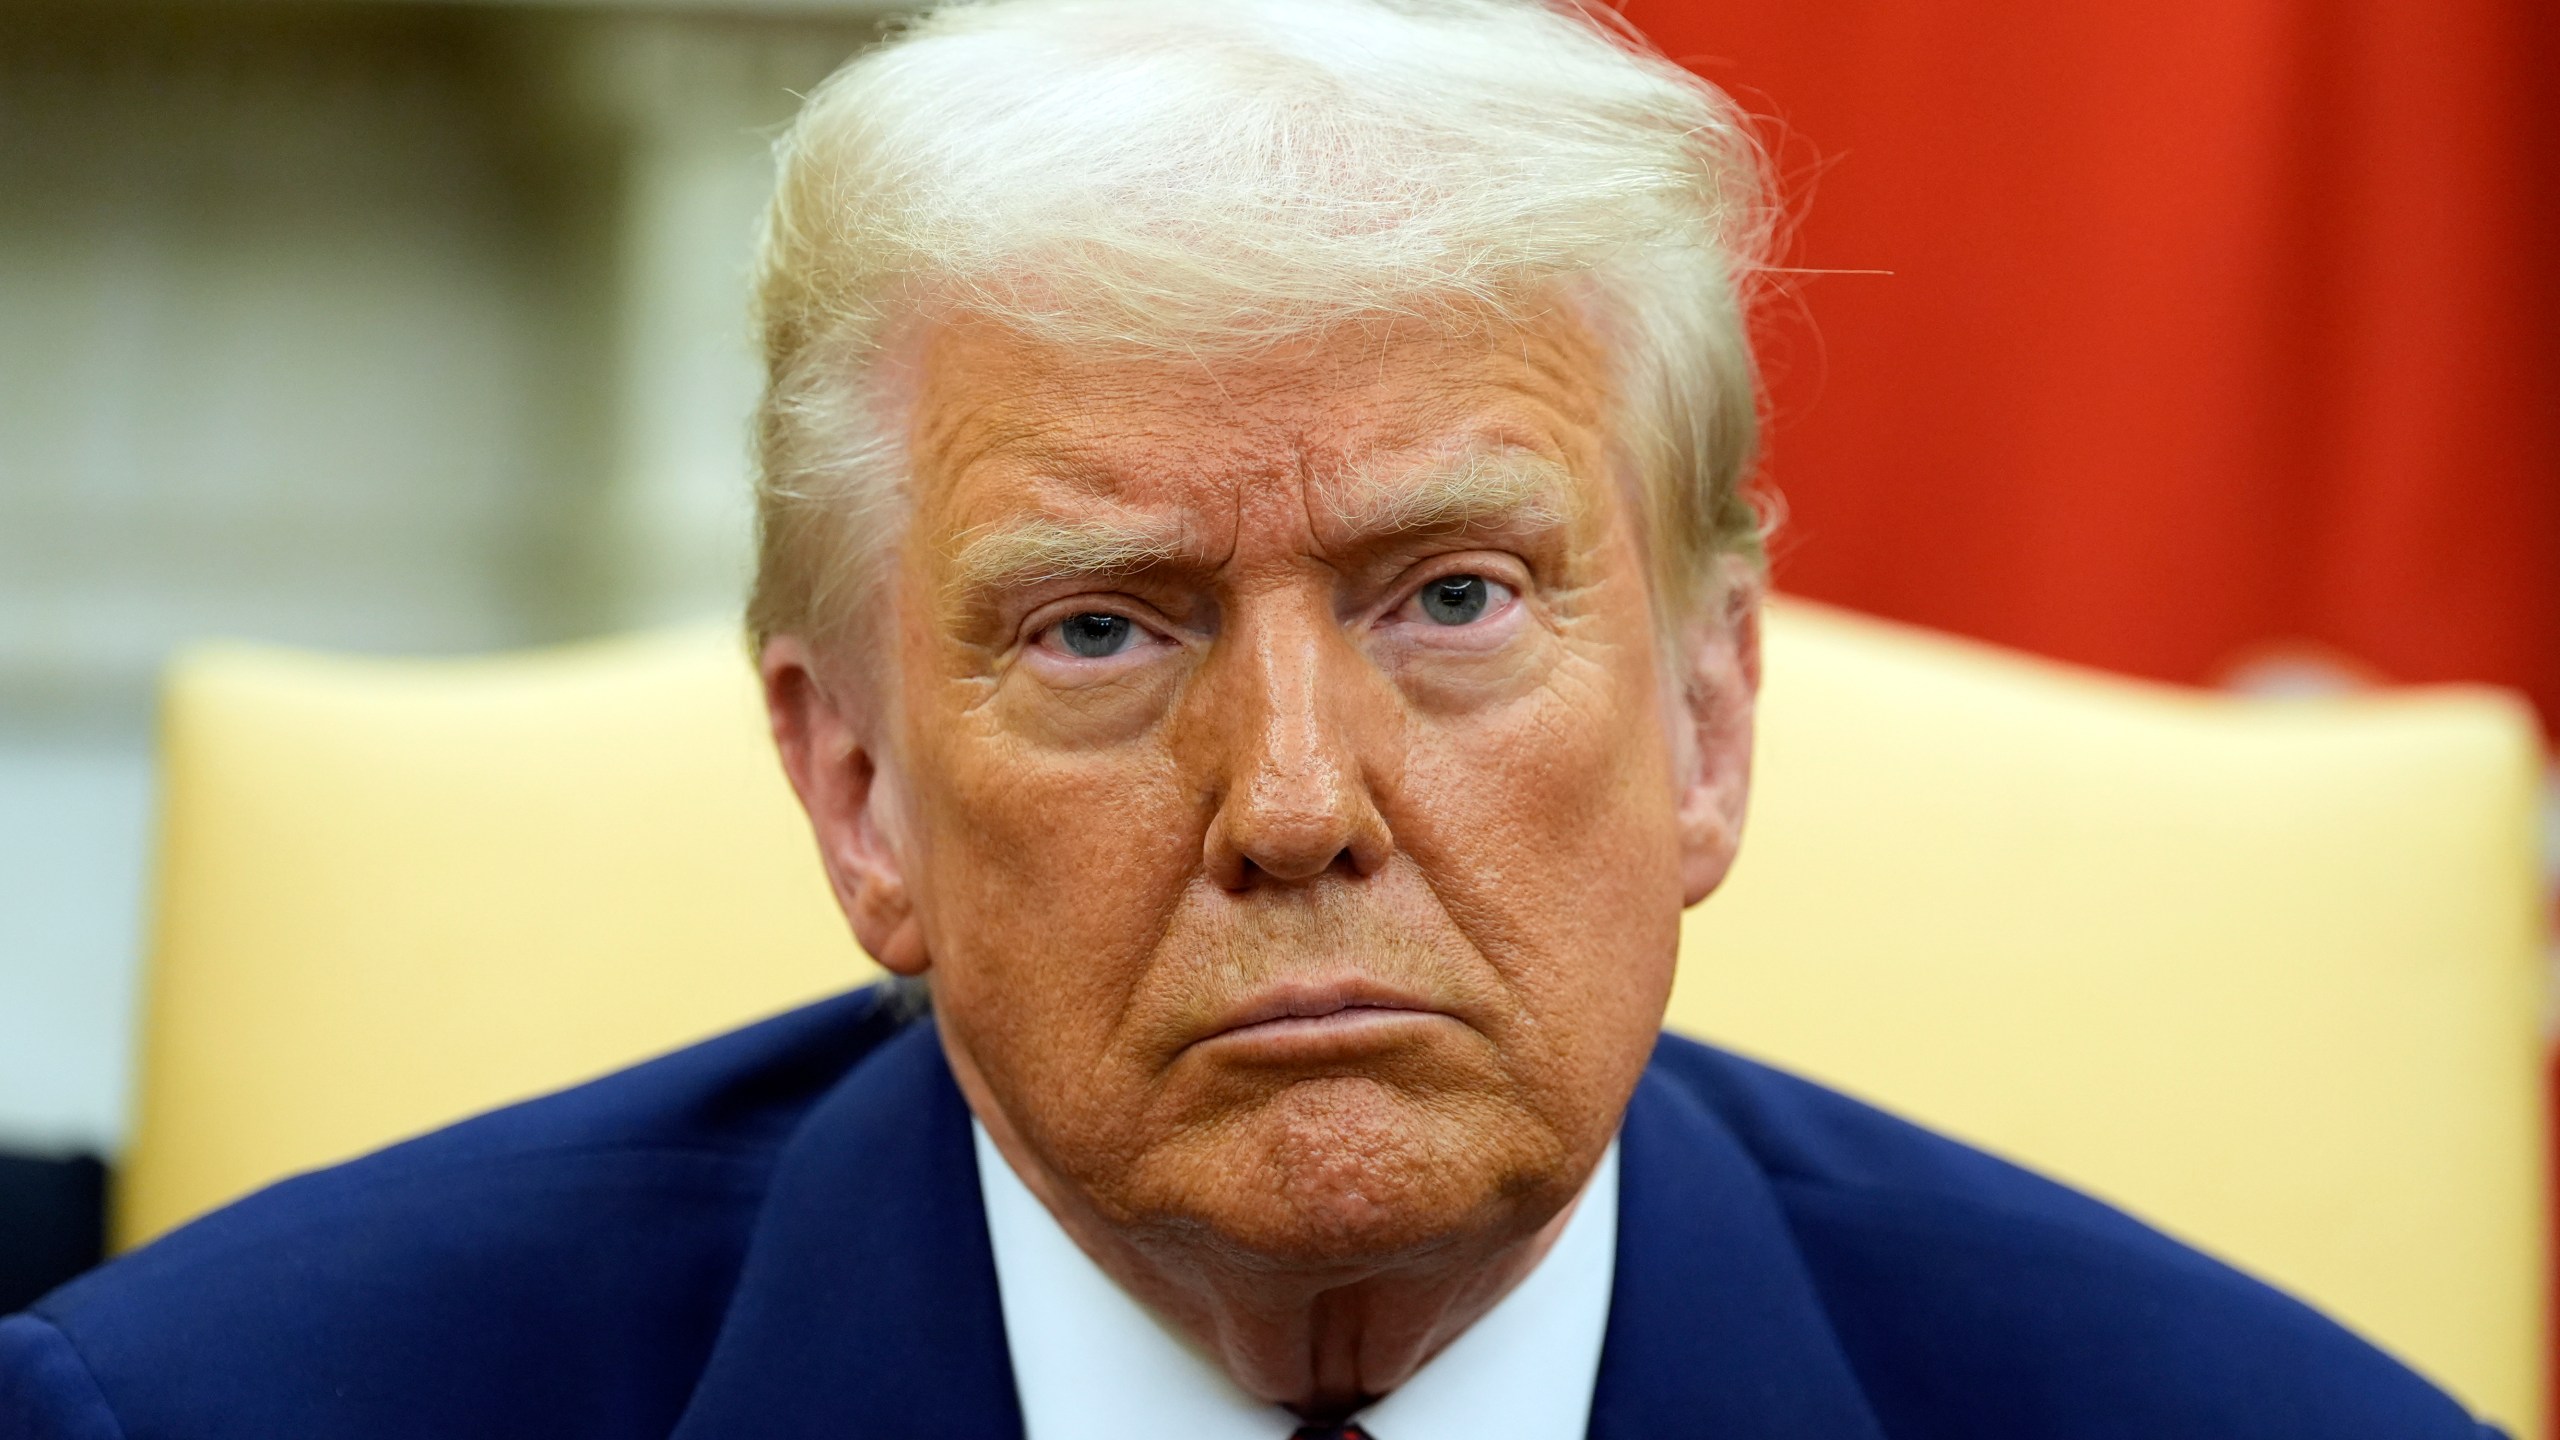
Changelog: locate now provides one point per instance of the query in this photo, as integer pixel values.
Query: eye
(1094, 635)
(1458, 599)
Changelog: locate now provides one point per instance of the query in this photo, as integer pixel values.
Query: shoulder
(581, 1244)
(1975, 1298)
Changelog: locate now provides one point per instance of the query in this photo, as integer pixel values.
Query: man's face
(1282, 777)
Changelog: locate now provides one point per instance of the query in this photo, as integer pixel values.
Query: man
(1258, 603)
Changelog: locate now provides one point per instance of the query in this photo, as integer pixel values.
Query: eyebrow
(1478, 490)
(1018, 553)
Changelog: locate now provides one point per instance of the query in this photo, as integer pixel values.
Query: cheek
(1548, 828)
(1045, 879)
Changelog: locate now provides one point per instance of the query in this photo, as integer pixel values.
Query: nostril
(1291, 824)
(1281, 859)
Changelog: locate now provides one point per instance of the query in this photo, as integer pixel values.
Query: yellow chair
(2266, 974)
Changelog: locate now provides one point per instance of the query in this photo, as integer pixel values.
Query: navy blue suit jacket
(778, 1236)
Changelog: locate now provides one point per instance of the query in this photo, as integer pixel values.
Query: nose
(1295, 719)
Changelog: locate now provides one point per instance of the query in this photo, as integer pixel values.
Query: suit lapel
(1714, 1326)
(867, 1306)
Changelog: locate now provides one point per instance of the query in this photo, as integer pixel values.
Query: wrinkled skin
(1273, 769)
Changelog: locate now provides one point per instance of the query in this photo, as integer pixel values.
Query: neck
(1324, 1346)
(1321, 1341)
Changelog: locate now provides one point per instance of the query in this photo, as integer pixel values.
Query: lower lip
(1342, 1034)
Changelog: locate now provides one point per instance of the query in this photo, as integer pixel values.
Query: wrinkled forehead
(1002, 423)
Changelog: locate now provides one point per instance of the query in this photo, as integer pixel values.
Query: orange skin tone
(1459, 851)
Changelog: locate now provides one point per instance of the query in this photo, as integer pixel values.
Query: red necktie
(1344, 1431)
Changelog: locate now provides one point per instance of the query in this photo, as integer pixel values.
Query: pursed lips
(1321, 1013)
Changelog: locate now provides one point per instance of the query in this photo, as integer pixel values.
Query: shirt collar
(1091, 1363)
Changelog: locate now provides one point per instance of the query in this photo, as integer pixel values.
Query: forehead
(1004, 422)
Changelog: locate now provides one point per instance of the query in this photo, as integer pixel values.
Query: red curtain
(2205, 327)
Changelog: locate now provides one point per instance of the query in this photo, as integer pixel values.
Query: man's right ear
(850, 803)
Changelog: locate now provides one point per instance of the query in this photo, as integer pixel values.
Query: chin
(1351, 1172)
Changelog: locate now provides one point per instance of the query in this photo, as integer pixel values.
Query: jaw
(1363, 1145)
(1319, 1181)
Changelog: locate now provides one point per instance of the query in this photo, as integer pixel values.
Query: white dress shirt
(1090, 1363)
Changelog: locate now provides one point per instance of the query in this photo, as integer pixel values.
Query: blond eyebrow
(1483, 488)
(1018, 553)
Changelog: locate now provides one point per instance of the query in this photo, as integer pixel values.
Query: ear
(851, 804)
(1719, 672)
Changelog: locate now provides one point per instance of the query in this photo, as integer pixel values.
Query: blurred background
(2215, 342)
(390, 326)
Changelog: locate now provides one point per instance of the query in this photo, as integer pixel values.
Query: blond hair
(1208, 176)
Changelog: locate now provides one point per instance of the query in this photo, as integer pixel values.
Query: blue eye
(1456, 599)
(1095, 635)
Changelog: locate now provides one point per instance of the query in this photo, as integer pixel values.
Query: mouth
(1304, 1022)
